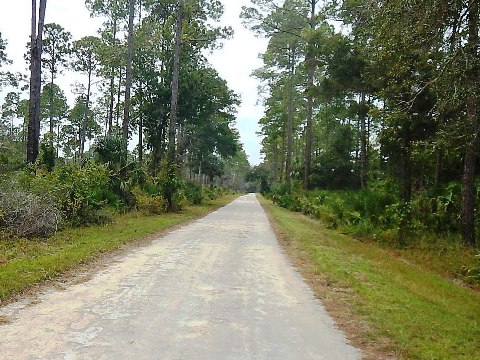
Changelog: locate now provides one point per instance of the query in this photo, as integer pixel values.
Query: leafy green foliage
(80, 191)
(193, 193)
(399, 293)
(377, 212)
(170, 184)
(48, 153)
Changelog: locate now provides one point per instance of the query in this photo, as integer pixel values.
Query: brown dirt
(337, 301)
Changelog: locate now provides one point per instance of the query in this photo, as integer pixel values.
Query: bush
(28, 215)
(171, 186)
(149, 204)
(79, 192)
(193, 193)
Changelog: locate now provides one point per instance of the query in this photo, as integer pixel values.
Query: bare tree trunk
(52, 79)
(35, 80)
(468, 182)
(140, 138)
(310, 84)
(290, 110)
(87, 109)
(119, 96)
(175, 79)
(406, 164)
(438, 166)
(112, 85)
(468, 194)
(128, 74)
(363, 144)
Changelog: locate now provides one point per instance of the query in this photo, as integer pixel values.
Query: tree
(128, 73)
(11, 138)
(56, 47)
(4, 76)
(3, 54)
(86, 60)
(35, 79)
(9, 114)
(175, 79)
(310, 64)
(115, 11)
(79, 128)
(425, 66)
(284, 25)
(54, 107)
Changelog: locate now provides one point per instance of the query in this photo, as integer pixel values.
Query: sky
(234, 62)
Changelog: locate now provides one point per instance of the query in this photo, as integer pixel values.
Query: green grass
(24, 263)
(425, 315)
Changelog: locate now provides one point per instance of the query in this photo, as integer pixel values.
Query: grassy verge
(24, 263)
(387, 305)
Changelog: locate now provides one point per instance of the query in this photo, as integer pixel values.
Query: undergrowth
(425, 231)
(425, 315)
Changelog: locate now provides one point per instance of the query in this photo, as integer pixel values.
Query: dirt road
(220, 288)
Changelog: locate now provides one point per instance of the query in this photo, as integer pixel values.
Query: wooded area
(371, 116)
(371, 120)
(152, 121)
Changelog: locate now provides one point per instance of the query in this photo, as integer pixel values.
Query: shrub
(193, 192)
(28, 215)
(80, 192)
(170, 185)
(149, 204)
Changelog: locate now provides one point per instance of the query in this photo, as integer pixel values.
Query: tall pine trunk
(128, 73)
(310, 84)
(112, 83)
(172, 128)
(83, 133)
(290, 115)
(363, 143)
(33, 138)
(468, 181)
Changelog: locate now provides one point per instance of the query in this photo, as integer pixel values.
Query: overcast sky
(235, 62)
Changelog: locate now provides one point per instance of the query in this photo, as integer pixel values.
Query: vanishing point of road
(220, 288)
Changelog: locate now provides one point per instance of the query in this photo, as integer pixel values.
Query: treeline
(374, 95)
(150, 110)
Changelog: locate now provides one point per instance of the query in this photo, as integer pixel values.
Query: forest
(372, 117)
(152, 126)
(369, 176)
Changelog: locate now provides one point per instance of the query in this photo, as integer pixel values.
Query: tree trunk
(438, 166)
(35, 80)
(406, 167)
(310, 84)
(87, 109)
(290, 110)
(363, 144)
(140, 138)
(119, 96)
(468, 182)
(175, 79)
(128, 73)
(112, 84)
(51, 105)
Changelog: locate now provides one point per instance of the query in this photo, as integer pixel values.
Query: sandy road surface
(220, 288)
